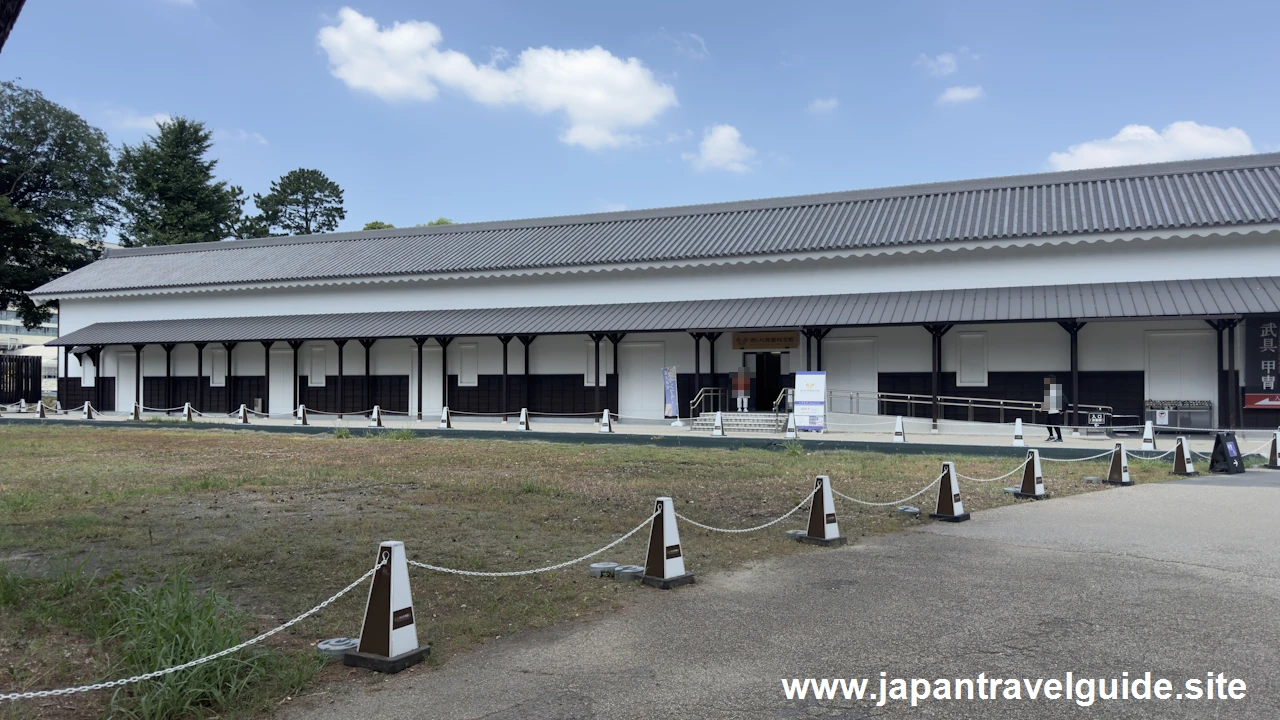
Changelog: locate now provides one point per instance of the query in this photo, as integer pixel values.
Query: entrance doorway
(767, 371)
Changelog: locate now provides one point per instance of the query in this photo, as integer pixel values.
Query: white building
(1158, 277)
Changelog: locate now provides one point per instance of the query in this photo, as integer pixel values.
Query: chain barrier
(987, 480)
(1065, 460)
(771, 523)
(200, 661)
(549, 568)
(887, 504)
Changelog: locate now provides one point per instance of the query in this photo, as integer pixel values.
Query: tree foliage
(301, 203)
(169, 193)
(378, 225)
(437, 221)
(56, 183)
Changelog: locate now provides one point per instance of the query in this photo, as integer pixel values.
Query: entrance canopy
(1162, 300)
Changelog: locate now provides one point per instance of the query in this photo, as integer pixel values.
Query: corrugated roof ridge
(899, 192)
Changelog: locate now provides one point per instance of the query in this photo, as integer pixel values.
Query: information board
(811, 401)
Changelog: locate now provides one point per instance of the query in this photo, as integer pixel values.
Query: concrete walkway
(1178, 578)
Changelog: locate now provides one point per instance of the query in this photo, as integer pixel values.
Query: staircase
(746, 422)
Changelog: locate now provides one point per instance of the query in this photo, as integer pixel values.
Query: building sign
(1261, 350)
(1096, 419)
(770, 340)
(811, 401)
(671, 405)
(1162, 417)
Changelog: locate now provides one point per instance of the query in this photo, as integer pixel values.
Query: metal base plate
(668, 583)
(377, 663)
(833, 542)
(1188, 474)
(949, 518)
(1118, 483)
(1016, 492)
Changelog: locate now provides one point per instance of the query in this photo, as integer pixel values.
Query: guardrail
(867, 402)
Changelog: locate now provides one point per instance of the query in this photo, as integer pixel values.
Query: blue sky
(486, 110)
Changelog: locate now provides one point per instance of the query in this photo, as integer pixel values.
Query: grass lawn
(274, 523)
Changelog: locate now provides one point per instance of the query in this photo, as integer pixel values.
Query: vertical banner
(811, 401)
(1261, 352)
(672, 403)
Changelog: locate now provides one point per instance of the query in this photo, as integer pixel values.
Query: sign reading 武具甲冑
(811, 401)
(767, 340)
(1261, 348)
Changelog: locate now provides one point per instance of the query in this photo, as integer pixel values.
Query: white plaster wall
(1097, 262)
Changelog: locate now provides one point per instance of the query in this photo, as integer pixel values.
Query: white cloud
(941, 65)
(823, 105)
(126, 119)
(686, 43)
(241, 135)
(606, 206)
(960, 94)
(722, 149)
(1137, 144)
(601, 95)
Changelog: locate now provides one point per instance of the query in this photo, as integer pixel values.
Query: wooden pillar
(936, 331)
(342, 395)
(1233, 382)
(697, 362)
(818, 334)
(444, 341)
(200, 376)
(712, 337)
(526, 340)
(368, 374)
(505, 402)
(227, 381)
(137, 374)
(97, 374)
(168, 374)
(614, 339)
(419, 341)
(1073, 328)
(294, 345)
(596, 338)
(808, 349)
(266, 370)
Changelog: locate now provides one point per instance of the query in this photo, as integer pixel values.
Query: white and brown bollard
(664, 565)
(1118, 471)
(87, 412)
(446, 420)
(717, 430)
(1182, 462)
(300, 416)
(188, 413)
(790, 433)
(389, 635)
(42, 412)
(606, 422)
(950, 507)
(57, 408)
(242, 415)
(899, 431)
(1018, 440)
(823, 529)
(22, 405)
(1032, 485)
(1149, 437)
(375, 417)
(137, 412)
(523, 424)
(1273, 454)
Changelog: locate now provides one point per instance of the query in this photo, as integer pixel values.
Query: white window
(88, 372)
(218, 367)
(318, 366)
(606, 363)
(468, 364)
(971, 354)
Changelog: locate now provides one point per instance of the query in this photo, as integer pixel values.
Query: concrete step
(742, 422)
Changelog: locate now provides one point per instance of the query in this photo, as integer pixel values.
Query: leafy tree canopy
(437, 221)
(378, 225)
(56, 183)
(301, 203)
(170, 195)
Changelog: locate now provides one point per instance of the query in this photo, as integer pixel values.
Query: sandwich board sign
(811, 401)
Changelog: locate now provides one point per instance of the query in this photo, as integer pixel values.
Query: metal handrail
(698, 404)
(787, 395)
(911, 400)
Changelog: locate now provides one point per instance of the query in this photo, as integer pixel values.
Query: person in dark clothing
(1052, 407)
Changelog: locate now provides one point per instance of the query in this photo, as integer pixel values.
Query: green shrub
(341, 433)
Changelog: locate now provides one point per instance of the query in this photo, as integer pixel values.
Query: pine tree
(301, 203)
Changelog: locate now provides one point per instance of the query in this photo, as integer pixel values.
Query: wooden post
(937, 331)
(1073, 329)
(444, 341)
(697, 363)
(368, 374)
(168, 374)
(266, 369)
(137, 373)
(1233, 382)
(342, 395)
(526, 340)
(294, 345)
(596, 338)
(200, 376)
(505, 403)
(614, 339)
(419, 341)
(227, 381)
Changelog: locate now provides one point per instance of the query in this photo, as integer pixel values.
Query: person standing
(741, 388)
(1052, 406)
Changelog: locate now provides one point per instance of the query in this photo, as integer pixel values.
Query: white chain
(208, 658)
(1147, 457)
(987, 480)
(886, 504)
(1091, 457)
(789, 513)
(549, 568)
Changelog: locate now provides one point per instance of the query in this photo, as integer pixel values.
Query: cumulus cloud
(823, 105)
(960, 94)
(599, 94)
(1138, 144)
(722, 149)
(126, 119)
(941, 65)
(240, 135)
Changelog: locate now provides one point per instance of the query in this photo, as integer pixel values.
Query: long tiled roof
(1166, 299)
(1202, 193)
